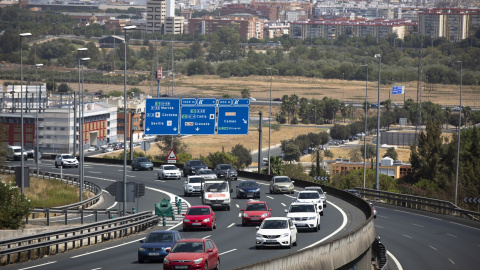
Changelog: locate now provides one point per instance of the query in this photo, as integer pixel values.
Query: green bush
(13, 207)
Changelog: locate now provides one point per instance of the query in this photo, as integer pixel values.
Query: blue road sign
(233, 116)
(161, 116)
(198, 116)
(398, 90)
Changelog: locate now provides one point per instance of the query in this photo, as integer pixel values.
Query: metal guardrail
(67, 212)
(39, 245)
(420, 203)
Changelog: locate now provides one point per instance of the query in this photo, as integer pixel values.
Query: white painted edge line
(397, 263)
(344, 223)
(228, 251)
(43, 264)
(269, 197)
(229, 226)
(206, 237)
(416, 214)
(466, 226)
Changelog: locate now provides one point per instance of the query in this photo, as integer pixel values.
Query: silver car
(66, 160)
(320, 191)
(206, 174)
(168, 172)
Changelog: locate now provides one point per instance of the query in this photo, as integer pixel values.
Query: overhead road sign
(398, 90)
(233, 116)
(161, 116)
(198, 116)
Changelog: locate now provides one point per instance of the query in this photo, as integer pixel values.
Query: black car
(248, 189)
(141, 163)
(221, 171)
(192, 166)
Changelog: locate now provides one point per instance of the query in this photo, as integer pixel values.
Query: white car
(311, 196)
(305, 215)
(92, 149)
(206, 174)
(66, 160)
(193, 185)
(276, 231)
(168, 172)
(323, 195)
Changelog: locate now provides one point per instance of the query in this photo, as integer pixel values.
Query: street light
(82, 139)
(22, 35)
(37, 150)
(129, 27)
(378, 122)
(75, 105)
(365, 134)
(459, 131)
(270, 118)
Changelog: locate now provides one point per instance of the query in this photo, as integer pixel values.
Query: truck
(15, 153)
(217, 193)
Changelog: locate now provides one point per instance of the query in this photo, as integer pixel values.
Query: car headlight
(206, 220)
(186, 220)
(264, 215)
(166, 261)
(241, 190)
(245, 215)
(257, 190)
(258, 235)
(285, 235)
(310, 218)
(141, 249)
(199, 260)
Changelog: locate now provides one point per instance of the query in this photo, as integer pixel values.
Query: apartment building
(283, 11)
(248, 26)
(161, 18)
(387, 166)
(455, 24)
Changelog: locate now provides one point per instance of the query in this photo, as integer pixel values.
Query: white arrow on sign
(244, 121)
(148, 129)
(197, 129)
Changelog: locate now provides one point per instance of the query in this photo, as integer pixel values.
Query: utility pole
(260, 143)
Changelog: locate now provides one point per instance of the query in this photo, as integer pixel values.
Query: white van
(216, 193)
(14, 153)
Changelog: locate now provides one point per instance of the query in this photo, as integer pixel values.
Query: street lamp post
(22, 166)
(37, 150)
(459, 131)
(365, 134)
(378, 122)
(129, 27)
(82, 139)
(270, 118)
(75, 106)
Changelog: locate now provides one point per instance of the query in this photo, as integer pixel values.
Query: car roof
(307, 191)
(302, 203)
(277, 218)
(252, 202)
(192, 240)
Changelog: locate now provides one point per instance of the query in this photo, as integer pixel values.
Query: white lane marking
(229, 226)
(113, 205)
(43, 264)
(416, 214)
(228, 251)
(451, 261)
(269, 197)
(379, 226)
(293, 197)
(238, 206)
(96, 251)
(97, 268)
(239, 214)
(161, 181)
(407, 236)
(465, 226)
(417, 225)
(432, 247)
(283, 204)
(451, 235)
(397, 263)
(206, 237)
(344, 223)
(94, 172)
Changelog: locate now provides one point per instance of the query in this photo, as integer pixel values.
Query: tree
(245, 93)
(164, 144)
(391, 153)
(213, 159)
(328, 153)
(292, 152)
(63, 88)
(355, 155)
(276, 165)
(371, 151)
(13, 206)
(244, 158)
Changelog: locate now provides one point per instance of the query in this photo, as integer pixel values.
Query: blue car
(154, 245)
(248, 189)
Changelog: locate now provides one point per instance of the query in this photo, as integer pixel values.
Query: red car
(255, 212)
(200, 216)
(198, 254)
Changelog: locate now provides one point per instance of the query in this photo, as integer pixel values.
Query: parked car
(154, 245)
(221, 170)
(192, 166)
(193, 185)
(199, 217)
(323, 195)
(107, 150)
(374, 210)
(305, 215)
(201, 254)
(66, 160)
(206, 174)
(169, 172)
(30, 153)
(354, 191)
(311, 196)
(252, 99)
(92, 149)
(248, 189)
(281, 184)
(276, 231)
(255, 212)
(277, 99)
(15, 153)
(141, 163)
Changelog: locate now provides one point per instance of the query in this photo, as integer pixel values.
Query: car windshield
(159, 237)
(196, 247)
(195, 180)
(67, 157)
(196, 163)
(143, 159)
(205, 172)
(302, 208)
(170, 168)
(198, 211)
(320, 191)
(226, 167)
(256, 207)
(17, 150)
(282, 180)
(274, 224)
(308, 195)
(248, 184)
(216, 187)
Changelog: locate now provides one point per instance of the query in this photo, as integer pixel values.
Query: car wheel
(243, 224)
(151, 169)
(158, 177)
(185, 229)
(140, 261)
(290, 244)
(205, 267)
(321, 214)
(291, 192)
(211, 228)
(258, 247)
(215, 225)
(133, 169)
(228, 208)
(76, 166)
(316, 228)
(185, 193)
(56, 165)
(217, 266)
(295, 244)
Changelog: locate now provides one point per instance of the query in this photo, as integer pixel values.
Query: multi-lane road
(415, 240)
